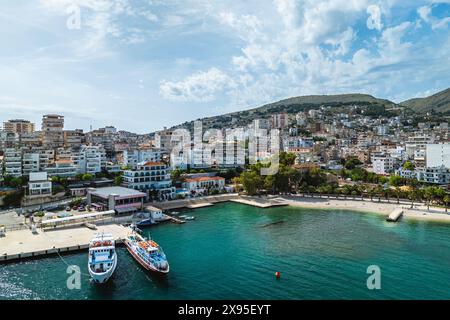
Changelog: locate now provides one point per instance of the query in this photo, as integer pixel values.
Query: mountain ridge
(438, 102)
(339, 101)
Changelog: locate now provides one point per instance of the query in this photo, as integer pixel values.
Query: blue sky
(144, 64)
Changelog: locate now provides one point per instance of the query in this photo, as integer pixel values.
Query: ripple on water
(227, 254)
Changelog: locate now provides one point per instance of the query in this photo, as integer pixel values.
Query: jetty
(261, 203)
(174, 219)
(395, 215)
(199, 205)
(22, 244)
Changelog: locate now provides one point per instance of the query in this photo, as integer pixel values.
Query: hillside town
(323, 150)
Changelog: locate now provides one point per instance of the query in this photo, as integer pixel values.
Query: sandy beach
(419, 212)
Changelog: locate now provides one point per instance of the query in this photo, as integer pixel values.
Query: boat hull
(104, 276)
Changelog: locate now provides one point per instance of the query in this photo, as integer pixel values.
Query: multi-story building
(150, 176)
(39, 185)
(62, 168)
(382, 163)
(279, 121)
(31, 139)
(438, 155)
(52, 131)
(132, 157)
(30, 163)
(163, 140)
(74, 138)
(90, 159)
(18, 126)
(12, 160)
(439, 175)
(105, 137)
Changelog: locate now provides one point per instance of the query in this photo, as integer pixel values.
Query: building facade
(151, 177)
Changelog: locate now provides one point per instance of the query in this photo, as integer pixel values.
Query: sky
(141, 65)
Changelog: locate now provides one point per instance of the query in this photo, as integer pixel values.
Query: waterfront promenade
(383, 207)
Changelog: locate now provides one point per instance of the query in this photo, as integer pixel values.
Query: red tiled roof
(154, 164)
(204, 179)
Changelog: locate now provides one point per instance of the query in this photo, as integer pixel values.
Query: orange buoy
(277, 274)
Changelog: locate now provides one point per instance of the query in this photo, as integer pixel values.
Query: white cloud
(425, 13)
(200, 87)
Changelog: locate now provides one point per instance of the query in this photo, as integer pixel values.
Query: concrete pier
(395, 215)
(260, 203)
(24, 244)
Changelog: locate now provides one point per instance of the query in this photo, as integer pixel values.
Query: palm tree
(413, 195)
(371, 193)
(446, 201)
(379, 192)
(397, 193)
(429, 194)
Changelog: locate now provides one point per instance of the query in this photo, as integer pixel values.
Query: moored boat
(147, 252)
(146, 222)
(102, 257)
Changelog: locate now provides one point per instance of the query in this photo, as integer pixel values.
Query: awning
(125, 209)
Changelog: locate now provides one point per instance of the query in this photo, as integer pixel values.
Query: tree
(13, 199)
(414, 194)
(236, 181)
(351, 163)
(429, 194)
(446, 201)
(395, 180)
(408, 166)
(87, 177)
(118, 180)
(251, 182)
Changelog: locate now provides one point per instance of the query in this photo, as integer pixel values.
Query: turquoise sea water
(227, 254)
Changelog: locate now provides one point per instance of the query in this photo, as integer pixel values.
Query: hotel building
(150, 177)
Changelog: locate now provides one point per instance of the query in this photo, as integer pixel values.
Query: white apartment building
(90, 159)
(12, 160)
(437, 175)
(438, 155)
(382, 163)
(150, 176)
(418, 142)
(39, 185)
(408, 174)
(30, 163)
(131, 158)
(62, 168)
